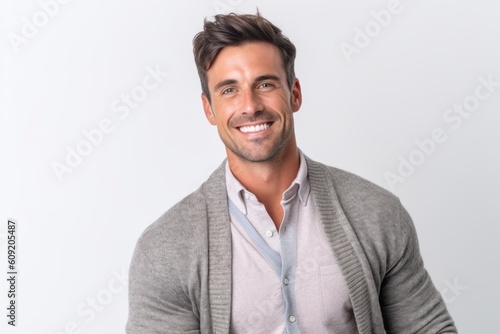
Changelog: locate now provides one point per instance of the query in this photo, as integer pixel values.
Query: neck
(268, 180)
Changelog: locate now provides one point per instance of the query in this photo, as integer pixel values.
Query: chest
(305, 293)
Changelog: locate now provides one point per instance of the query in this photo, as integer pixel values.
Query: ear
(208, 110)
(296, 95)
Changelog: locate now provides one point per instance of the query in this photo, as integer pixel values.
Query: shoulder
(355, 193)
(181, 233)
(177, 234)
(379, 221)
(177, 220)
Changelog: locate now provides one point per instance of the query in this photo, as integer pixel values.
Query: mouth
(255, 128)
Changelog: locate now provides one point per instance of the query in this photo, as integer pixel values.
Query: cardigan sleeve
(157, 303)
(409, 301)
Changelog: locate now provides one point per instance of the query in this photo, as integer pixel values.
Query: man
(273, 241)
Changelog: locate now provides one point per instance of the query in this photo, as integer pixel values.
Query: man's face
(251, 103)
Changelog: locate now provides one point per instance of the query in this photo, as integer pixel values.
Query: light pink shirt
(322, 299)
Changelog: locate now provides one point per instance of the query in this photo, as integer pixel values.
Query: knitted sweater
(180, 275)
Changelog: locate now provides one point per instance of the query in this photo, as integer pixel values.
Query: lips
(254, 128)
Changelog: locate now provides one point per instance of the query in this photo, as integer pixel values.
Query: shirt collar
(239, 194)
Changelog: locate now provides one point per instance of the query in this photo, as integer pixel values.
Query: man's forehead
(255, 59)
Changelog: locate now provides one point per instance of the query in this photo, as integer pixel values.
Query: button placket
(287, 237)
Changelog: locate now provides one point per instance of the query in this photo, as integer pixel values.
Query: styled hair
(233, 30)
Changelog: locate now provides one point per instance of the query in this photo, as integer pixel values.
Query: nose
(251, 102)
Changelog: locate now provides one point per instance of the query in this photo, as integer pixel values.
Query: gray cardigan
(180, 275)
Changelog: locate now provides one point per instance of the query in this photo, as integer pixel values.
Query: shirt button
(269, 233)
(247, 196)
(285, 281)
(291, 318)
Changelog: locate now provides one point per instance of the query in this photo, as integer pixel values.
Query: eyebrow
(225, 83)
(267, 77)
(258, 79)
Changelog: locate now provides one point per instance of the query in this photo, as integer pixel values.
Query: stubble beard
(273, 154)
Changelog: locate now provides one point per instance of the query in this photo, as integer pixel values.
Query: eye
(266, 85)
(228, 91)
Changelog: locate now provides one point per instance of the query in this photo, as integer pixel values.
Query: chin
(258, 157)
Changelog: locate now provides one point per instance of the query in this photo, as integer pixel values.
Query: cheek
(281, 100)
(225, 110)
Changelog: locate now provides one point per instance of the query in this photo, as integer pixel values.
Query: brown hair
(233, 30)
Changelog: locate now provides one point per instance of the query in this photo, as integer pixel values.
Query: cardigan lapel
(219, 250)
(341, 238)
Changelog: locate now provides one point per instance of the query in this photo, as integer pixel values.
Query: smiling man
(274, 242)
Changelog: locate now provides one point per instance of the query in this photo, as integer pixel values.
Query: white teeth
(254, 128)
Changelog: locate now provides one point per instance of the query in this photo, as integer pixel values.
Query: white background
(77, 233)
